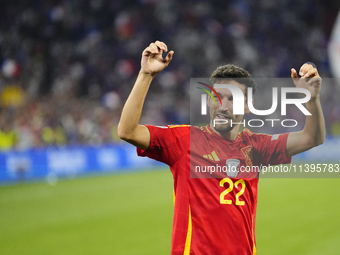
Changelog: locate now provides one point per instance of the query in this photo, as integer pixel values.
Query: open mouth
(223, 116)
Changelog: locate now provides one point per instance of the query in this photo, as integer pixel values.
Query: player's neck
(230, 136)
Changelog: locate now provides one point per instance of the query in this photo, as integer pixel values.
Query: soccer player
(216, 216)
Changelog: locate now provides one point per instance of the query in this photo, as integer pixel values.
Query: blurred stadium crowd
(68, 66)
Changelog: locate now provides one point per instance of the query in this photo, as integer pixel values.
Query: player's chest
(222, 159)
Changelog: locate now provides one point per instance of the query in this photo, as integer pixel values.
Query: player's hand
(152, 61)
(310, 79)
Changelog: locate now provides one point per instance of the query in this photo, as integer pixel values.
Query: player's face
(225, 111)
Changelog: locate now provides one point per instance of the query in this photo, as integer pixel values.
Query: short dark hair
(232, 72)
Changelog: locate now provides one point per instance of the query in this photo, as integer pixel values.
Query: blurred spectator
(8, 136)
(74, 62)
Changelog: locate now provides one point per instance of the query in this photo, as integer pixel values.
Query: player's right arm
(152, 63)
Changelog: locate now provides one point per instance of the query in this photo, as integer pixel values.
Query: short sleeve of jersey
(167, 143)
(271, 149)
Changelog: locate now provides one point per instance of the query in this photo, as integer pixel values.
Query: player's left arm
(314, 132)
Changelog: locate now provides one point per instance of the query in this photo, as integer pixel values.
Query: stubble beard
(225, 128)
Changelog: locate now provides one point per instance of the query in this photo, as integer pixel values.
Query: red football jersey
(216, 215)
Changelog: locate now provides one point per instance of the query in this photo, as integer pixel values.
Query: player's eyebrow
(217, 94)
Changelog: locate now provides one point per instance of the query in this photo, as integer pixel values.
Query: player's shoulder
(177, 130)
(173, 127)
(201, 130)
(181, 130)
(261, 138)
(181, 126)
(248, 134)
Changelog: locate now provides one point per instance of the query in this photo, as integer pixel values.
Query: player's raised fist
(310, 79)
(152, 61)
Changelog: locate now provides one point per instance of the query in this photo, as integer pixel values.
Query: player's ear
(246, 108)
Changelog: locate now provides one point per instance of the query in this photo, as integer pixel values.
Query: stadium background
(66, 69)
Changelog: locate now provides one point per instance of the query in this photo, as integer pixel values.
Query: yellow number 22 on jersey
(229, 189)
